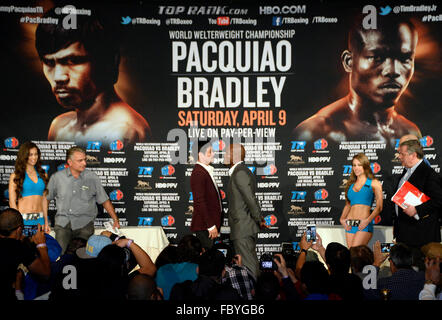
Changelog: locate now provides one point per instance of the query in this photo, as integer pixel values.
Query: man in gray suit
(244, 213)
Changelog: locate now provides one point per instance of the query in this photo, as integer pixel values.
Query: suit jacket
(206, 201)
(244, 211)
(414, 232)
(405, 284)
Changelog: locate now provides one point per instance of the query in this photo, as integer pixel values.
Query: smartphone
(266, 262)
(266, 265)
(29, 231)
(386, 247)
(287, 248)
(311, 233)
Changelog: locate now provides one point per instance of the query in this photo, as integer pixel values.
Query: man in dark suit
(206, 218)
(417, 225)
(245, 218)
(405, 283)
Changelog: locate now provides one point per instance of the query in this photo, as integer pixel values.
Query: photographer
(238, 276)
(304, 246)
(433, 283)
(135, 255)
(287, 277)
(14, 251)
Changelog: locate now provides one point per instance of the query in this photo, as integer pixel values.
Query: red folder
(409, 194)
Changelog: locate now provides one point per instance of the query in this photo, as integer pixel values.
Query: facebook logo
(277, 21)
(145, 170)
(145, 221)
(93, 145)
(298, 145)
(299, 195)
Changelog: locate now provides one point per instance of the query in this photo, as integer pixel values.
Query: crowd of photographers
(107, 266)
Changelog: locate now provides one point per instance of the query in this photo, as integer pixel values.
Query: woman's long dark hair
(20, 166)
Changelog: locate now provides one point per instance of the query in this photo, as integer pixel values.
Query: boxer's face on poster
(69, 72)
(383, 68)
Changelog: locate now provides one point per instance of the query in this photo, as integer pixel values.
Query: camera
(311, 233)
(226, 249)
(266, 262)
(289, 254)
(386, 247)
(29, 231)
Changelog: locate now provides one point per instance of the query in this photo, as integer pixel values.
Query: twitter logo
(126, 20)
(385, 10)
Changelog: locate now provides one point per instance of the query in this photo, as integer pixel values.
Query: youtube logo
(223, 21)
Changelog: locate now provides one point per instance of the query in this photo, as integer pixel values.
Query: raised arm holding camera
(15, 252)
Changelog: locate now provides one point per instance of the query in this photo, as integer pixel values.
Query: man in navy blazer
(418, 225)
(207, 209)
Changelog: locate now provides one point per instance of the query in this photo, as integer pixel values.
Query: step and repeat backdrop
(303, 86)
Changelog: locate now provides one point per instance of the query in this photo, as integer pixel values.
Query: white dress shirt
(405, 178)
(233, 167)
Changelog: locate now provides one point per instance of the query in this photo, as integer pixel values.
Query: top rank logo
(298, 145)
(93, 145)
(116, 145)
(320, 144)
(347, 169)
(299, 195)
(145, 171)
(11, 142)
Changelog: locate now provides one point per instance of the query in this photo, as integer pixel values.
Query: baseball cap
(432, 250)
(94, 245)
(54, 248)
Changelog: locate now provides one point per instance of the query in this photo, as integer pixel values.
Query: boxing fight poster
(304, 86)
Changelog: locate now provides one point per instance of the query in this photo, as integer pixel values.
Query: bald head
(408, 137)
(142, 287)
(10, 220)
